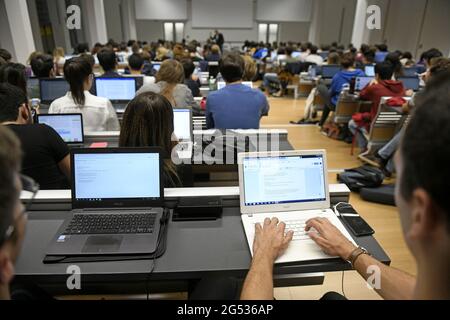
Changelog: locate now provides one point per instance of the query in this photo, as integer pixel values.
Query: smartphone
(357, 225)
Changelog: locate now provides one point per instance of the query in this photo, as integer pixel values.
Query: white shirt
(314, 58)
(147, 79)
(98, 113)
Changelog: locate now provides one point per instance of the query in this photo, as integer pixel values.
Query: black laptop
(68, 125)
(117, 203)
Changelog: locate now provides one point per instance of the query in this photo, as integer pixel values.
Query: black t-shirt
(194, 86)
(43, 149)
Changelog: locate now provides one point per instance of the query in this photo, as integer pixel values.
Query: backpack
(362, 177)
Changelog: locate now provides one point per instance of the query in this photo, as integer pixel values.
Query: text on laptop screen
(68, 126)
(362, 82)
(119, 89)
(53, 89)
(369, 71)
(182, 124)
(330, 71)
(410, 83)
(279, 180)
(105, 176)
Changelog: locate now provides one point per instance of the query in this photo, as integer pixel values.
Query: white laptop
(69, 126)
(291, 186)
(182, 122)
(222, 84)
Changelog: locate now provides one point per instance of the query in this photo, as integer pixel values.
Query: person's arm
(395, 284)
(270, 242)
(265, 108)
(64, 166)
(209, 115)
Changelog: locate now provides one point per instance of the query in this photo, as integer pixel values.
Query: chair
(346, 107)
(199, 123)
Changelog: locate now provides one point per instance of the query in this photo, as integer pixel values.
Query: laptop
(117, 200)
(329, 71)
(120, 91)
(182, 122)
(362, 82)
(410, 83)
(289, 185)
(324, 54)
(410, 72)
(222, 84)
(52, 89)
(68, 126)
(369, 70)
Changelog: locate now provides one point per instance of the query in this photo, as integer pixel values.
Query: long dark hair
(77, 71)
(148, 122)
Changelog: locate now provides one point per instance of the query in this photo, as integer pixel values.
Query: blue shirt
(339, 80)
(236, 106)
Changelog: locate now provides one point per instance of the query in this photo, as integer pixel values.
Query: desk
(188, 258)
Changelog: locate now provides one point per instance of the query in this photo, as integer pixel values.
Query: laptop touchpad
(102, 244)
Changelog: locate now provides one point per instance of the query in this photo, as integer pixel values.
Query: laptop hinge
(111, 209)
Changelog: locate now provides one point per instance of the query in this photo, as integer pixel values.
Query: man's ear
(6, 268)
(24, 113)
(424, 215)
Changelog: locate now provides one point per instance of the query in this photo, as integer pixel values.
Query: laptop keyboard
(111, 224)
(298, 226)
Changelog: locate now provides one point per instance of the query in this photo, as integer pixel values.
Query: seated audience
(46, 156)
(381, 53)
(194, 85)
(250, 69)
(271, 82)
(108, 61)
(136, 65)
(59, 60)
(381, 86)
(422, 200)
(98, 113)
(5, 55)
(236, 106)
(169, 83)
(313, 57)
(342, 78)
(148, 122)
(43, 66)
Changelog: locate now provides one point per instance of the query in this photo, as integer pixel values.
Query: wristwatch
(355, 255)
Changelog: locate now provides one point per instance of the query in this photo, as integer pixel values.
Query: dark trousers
(324, 93)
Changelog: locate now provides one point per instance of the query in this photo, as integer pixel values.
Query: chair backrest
(346, 107)
(385, 125)
(199, 123)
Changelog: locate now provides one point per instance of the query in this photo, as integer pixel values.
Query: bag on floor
(383, 195)
(362, 177)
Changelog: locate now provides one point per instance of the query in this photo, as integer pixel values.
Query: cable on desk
(342, 285)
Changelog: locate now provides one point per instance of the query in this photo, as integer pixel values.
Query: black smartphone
(357, 225)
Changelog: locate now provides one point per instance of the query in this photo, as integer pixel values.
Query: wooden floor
(384, 219)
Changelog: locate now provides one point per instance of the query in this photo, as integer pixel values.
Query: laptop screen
(116, 89)
(410, 83)
(283, 180)
(99, 177)
(68, 126)
(33, 88)
(369, 71)
(362, 82)
(222, 84)
(330, 71)
(410, 72)
(182, 124)
(52, 89)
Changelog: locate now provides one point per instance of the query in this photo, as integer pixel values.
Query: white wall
(284, 10)
(149, 30)
(114, 21)
(294, 31)
(336, 21)
(161, 9)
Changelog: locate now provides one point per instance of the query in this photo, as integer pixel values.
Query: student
(422, 200)
(15, 74)
(136, 65)
(218, 39)
(214, 55)
(342, 78)
(250, 69)
(108, 61)
(406, 59)
(381, 86)
(59, 60)
(394, 59)
(271, 79)
(148, 122)
(313, 57)
(381, 53)
(98, 113)
(169, 83)
(236, 106)
(46, 156)
(5, 54)
(193, 85)
(43, 66)
(12, 216)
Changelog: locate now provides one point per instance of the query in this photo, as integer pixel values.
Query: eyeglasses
(28, 184)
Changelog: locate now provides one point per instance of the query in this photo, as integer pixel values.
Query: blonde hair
(58, 52)
(172, 73)
(215, 49)
(249, 69)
